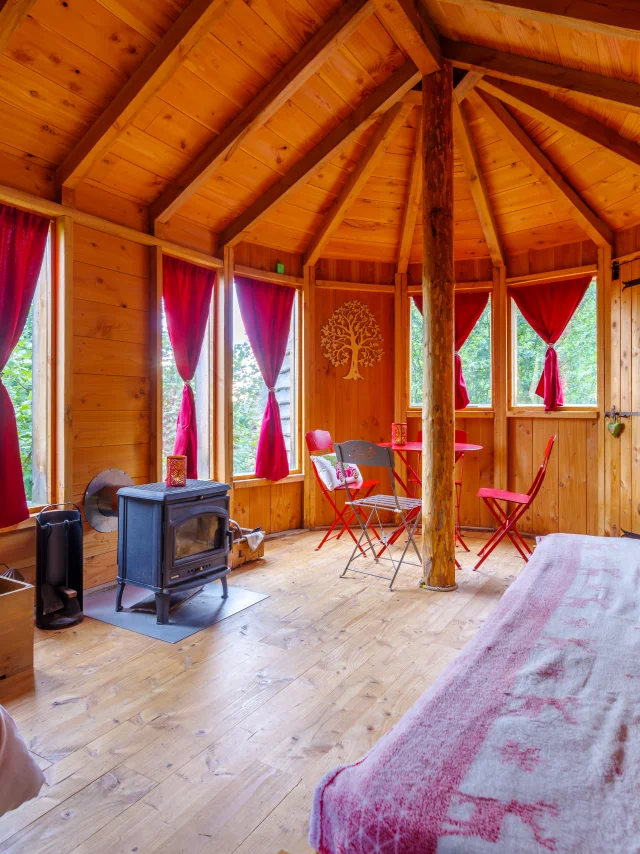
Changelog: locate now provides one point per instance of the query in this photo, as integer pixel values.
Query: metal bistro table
(460, 449)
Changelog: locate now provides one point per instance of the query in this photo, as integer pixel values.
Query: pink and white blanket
(529, 741)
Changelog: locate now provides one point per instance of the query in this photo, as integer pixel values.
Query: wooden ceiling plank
(560, 116)
(534, 159)
(365, 114)
(468, 82)
(193, 25)
(374, 152)
(480, 194)
(261, 108)
(12, 15)
(408, 24)
(413, 204)
(542, 75)
(618, 18)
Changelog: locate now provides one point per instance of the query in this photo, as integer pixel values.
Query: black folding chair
(366, 509)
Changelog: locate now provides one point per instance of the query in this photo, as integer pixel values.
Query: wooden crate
(16, 627)
(241, 553)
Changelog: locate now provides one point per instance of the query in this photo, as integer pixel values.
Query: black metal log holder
(59, 561)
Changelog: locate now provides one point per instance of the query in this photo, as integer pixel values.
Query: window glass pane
(26, 378)
(172, 386)
(476, 359)
(250, 395)
(577, 356)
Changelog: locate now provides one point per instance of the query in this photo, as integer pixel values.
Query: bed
(529, 741)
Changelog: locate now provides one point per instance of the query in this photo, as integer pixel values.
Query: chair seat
(356, 487)
(387, 502)
(504, 495)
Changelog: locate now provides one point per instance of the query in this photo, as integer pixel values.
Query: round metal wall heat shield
(101, 499)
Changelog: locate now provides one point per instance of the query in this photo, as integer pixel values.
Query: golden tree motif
(352, 333)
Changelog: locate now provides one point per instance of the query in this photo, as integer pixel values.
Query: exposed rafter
(468, 82)
(619, 18)
(559, 116)
(276, 93)
(542, 75)
(366, 114)
(413, 203)
(497, 114)
(408, 23)
(12, 14)
(192, 26)
(467, 151)
(373, 154)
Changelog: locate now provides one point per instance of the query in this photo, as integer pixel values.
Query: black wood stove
(171, 539)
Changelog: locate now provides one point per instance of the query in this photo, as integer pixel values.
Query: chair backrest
(539, 478)
(319, 440)
(367, 454)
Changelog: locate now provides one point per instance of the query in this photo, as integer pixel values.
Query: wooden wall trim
(327, 284)
(309, 391)
(485, 285)
(224, 371)
(552, 276)
(155, 364)
(500, 371)
(63, 289)
(267, 276)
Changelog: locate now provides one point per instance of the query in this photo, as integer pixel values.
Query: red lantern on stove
(176, 471)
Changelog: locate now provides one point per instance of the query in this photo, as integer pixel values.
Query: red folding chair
(507, 521)
(320, 440)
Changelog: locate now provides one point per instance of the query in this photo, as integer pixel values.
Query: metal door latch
(615, 413)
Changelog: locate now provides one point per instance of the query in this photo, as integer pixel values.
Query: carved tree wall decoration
(352, 333)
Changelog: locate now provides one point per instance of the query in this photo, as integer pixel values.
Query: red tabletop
(460, 447)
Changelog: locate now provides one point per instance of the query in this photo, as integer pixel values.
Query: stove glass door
(199, 534)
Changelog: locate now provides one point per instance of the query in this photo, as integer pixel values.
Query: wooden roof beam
(276, 93)
(373, 154)
(409, 25)
(618, 18)
(468, 82)
(193, 25)
(365, 114)
(480, 194)
(523, 146)
(559, 116)
(542, 75)
(414, 195)
(12, 15)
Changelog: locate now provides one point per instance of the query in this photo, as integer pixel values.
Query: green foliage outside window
(577, 356)
(18, 380)
(248, 408)
(475, 354)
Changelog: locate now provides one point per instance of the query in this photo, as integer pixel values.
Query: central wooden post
(438, 284)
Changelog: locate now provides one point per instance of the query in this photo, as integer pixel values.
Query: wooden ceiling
(294, 124)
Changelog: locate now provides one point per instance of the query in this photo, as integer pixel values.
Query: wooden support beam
(12, 14)
(560, 116)
(467, 84)
(408, 23)
(400, 357)
(223, 295)
(367, 287)
(497, 114)
(471, 165)
(367, 163)
(366, 114)
(499, 361)
(617, 18)
(63, 320)
(193, 25)
(261, 108)
(542, 75)
(414, 194)
(155, 364)
(309, 391)
(438, 283)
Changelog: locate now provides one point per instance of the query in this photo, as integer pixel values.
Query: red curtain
(23, 238)
(468, 309)
(186, 289)
(266, 313)
(548, 308)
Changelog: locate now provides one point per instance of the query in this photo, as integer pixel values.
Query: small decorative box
(399, 434)
(176, 471)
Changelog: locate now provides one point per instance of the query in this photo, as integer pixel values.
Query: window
(250, 395)
(26, 378)
(475, 354)
(172, 385)
(577, 356)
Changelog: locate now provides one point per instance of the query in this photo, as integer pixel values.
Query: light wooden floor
(215, 744)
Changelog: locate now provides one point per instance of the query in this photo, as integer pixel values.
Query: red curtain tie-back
(266, 313)
(467, 312)
(186, 290)
(23, 238)
(548, 308)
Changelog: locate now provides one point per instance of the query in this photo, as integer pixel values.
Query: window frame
(470, 411)
(250, 479)
(515, 410)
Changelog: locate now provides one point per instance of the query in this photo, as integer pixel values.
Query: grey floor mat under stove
(203, 610)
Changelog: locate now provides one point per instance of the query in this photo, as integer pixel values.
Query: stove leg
(162, 608)
(225, 589)
(119, 595)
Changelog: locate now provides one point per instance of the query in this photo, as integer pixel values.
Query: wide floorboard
(215, 744)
